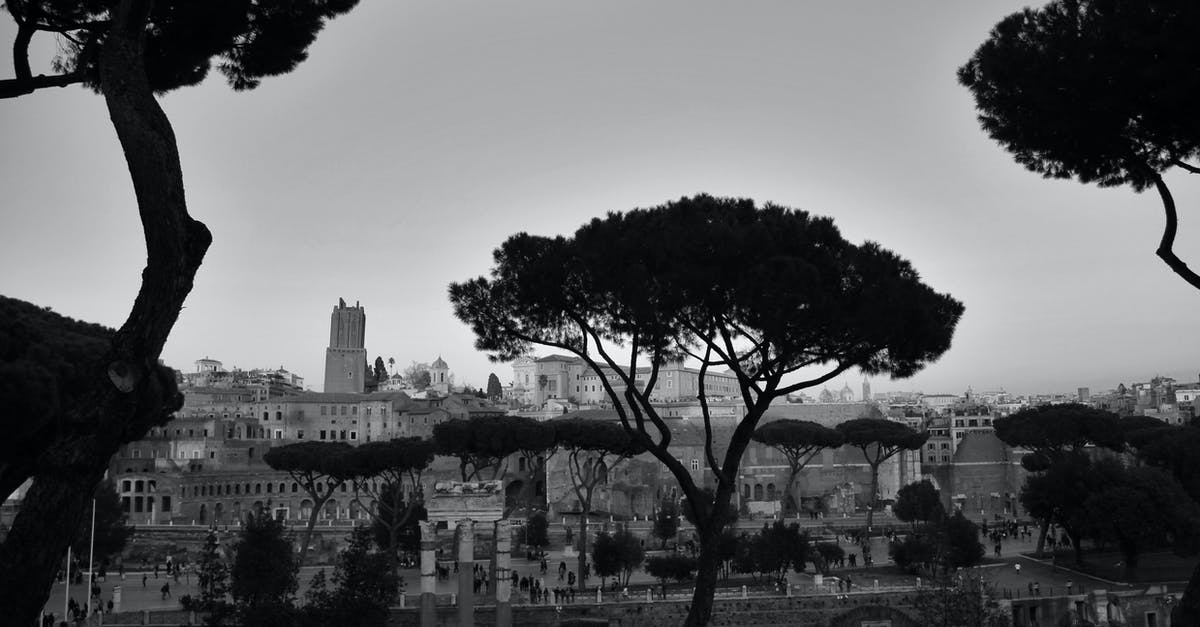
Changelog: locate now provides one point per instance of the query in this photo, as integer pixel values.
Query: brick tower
(346, 359)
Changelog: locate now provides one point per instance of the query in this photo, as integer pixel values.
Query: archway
(203, 513)
(219, 513)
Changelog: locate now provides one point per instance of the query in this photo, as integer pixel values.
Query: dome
(439, 364)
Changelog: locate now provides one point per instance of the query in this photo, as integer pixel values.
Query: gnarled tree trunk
(130, 392)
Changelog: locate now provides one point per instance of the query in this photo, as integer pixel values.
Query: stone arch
(330, 510)
(257, 508)
(770, 491)
(219, 512)
(512, 494)
(758, 492)
(203, 513)
(306, 507)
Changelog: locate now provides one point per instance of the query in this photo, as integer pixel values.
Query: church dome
(439, 364)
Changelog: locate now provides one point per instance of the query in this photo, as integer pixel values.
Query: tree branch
(1186, 166)
(14, 87)
(710, 457)
(1165, 251)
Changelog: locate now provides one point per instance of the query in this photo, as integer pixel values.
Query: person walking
(166, 590)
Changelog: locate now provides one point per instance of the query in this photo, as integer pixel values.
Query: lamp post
(91, 554)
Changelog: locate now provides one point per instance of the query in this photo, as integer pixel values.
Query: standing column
(466, 572)
(502, 577)
(428, 574)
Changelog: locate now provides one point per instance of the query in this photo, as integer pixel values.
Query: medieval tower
(346, 358)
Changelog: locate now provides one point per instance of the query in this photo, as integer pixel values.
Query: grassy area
(1152, 567)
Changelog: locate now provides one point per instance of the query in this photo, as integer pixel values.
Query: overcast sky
(419, 135)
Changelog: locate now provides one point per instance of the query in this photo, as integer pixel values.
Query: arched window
(746, 491)
(758, 492)
(770, 491)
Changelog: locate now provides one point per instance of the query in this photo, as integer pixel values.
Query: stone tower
(346, 359)
(866, 397)
(439, 376)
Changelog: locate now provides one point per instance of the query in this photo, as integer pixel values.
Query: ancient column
(501, 579)
(466, 572)
(428, 574)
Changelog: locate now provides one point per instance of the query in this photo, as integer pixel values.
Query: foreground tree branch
(1166, 245)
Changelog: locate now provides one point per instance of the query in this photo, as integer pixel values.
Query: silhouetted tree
(919, 501)
(127, 51)
(1057, 493)
(263, 577)
(536, 530)
(364, 587)
(1055, 432)
(112, 534)
(617, 555)
(593, 449)
(494, 389)
(380, 373)
(675, 566)
(380, 472)
(213, 578)
(315, 467)
(409, 534)
(666, 521)
(764, 293)
(799, 441)
(1139, 508)
(1174, 450)
(1096, 90)
(879, 440)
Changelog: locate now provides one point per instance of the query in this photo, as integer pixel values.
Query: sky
(420, 135)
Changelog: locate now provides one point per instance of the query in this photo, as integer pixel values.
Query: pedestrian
(1069, 584)
(166, 590)
(1018, 567)
(1037, 589)
(143, 580)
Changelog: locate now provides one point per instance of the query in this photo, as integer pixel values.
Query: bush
(677, 567)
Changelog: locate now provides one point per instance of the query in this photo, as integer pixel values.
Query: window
(300, 434)
(137, 453)
(354, 410)
(125, 485)
(196, 454)
(279, 434)
(322, 434)
(343, 410)
(266, 415)
(343, 434)
(323, 410)
(695, 464)
(278, 415)
(166, 504)
(353, 435)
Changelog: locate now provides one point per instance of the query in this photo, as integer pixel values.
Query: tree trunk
(706, 578)
(312, 523)
(1188, 610)
(130, 391)
(1041, 543)
(871, 501)
(582, 566)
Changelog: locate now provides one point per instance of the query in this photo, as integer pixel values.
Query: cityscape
(680, 314)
